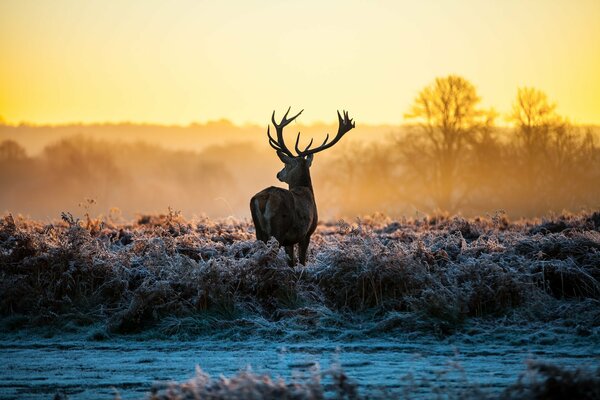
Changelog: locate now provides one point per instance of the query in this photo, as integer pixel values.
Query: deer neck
(302, 181)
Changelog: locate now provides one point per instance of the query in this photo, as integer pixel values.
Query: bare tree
(11, 151)
(449, 122)
(535, 119)
(554, 160)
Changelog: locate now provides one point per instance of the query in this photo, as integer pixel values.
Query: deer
(290, 215)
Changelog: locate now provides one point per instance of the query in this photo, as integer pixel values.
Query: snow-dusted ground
(430, 305)
(37, 368)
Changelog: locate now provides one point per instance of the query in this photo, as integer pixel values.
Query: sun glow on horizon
(176, 63)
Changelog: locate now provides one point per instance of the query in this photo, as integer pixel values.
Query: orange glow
(165, 62)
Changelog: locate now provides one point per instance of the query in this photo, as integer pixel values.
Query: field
(374, 290)
(452, 150)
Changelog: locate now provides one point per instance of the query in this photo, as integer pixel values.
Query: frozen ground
(485, 360)
(435, 305)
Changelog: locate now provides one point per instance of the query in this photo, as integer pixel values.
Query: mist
(393, 173)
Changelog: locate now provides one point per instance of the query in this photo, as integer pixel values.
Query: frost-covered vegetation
(369, 277)
(541, 381)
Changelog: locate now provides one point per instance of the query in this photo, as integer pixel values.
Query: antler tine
(279, 144)
(298, 141)
(345, 124)
(286, 113)
(272, 141)
(309, 144)
(284, 121)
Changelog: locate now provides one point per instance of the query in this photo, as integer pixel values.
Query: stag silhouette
(290, 216)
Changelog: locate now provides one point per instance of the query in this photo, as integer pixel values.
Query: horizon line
(225, 121)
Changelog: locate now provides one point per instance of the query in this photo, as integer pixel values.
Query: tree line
(453, 156)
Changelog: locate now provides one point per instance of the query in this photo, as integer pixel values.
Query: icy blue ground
(38, 368)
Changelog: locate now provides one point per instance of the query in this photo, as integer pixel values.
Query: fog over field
(214, 169)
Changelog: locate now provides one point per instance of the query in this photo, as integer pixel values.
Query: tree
(535, 118)
(449, 123)
(15, 169)
(554, 159)
(11, 151)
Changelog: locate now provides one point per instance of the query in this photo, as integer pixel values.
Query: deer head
(295, 172)
(294, 168)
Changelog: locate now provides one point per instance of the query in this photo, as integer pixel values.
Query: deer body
(290, 216)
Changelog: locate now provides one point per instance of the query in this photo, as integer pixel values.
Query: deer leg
(290, 252)
(302, 250)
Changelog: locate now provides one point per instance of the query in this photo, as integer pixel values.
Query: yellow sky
(191, 60)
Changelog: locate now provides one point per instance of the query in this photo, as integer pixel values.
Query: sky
(183, 61)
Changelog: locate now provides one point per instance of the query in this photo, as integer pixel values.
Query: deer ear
(309, 159)
(284, 157)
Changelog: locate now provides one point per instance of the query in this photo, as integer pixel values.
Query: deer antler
(279, 144)
(345, 124)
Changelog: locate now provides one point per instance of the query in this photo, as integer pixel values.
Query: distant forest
(451, 155)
